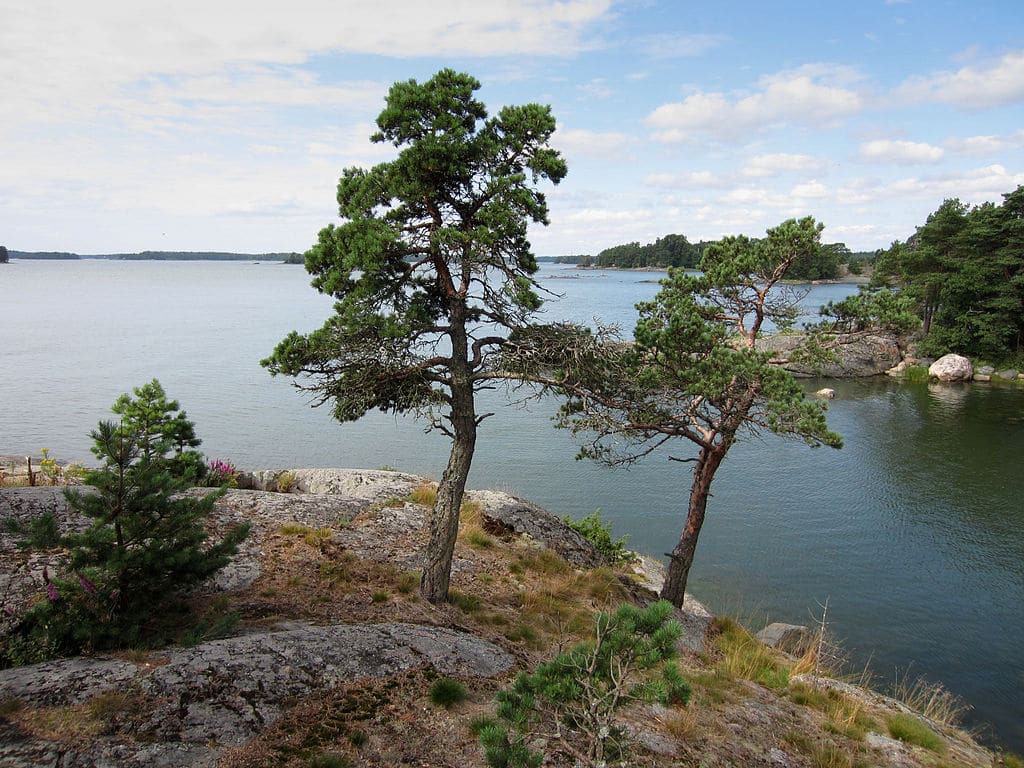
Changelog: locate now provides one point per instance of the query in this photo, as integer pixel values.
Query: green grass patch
(330, 760)
(915, 374)
(543, 561)
(910, 729)
(407, 581)
(479, 539)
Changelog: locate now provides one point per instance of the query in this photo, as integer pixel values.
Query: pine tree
(145, 548)
(162, 428)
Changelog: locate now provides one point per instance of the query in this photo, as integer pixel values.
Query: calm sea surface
(913, 532)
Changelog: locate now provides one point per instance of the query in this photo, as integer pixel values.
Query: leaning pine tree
(694, 372)
(430, 269)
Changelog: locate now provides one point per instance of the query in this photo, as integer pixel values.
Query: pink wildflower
(51, 592)
(87, 585)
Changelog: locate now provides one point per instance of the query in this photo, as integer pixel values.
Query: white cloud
(977, 185)
(669, 46)
(812, 95)
(62, 58)
(606, 216)
(811, 190)
(685, 180)
(607, 145)
(985, 145)
(597, 88)
(778, 163)
(900, 152)
(971, 87)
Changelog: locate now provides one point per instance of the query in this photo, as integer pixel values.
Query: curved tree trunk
(681, 558)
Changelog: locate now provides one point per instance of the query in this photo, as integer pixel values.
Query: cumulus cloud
(778, 163)
(899, 152)
(971, 87)
(812, 95)
(976, 185)
(608, 144)
(61, 55)
(985, 145)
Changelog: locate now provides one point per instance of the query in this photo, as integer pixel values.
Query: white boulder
(952, 368)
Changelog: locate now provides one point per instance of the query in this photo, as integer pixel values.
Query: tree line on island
(675, 250)
(288, 258)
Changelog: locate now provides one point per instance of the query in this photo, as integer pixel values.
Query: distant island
(291, 258)
(675, 250)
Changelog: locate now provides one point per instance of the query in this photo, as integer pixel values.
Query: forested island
(675, 250)
(291, 258)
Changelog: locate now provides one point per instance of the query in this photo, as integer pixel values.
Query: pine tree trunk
(708, 461)
(444, 521)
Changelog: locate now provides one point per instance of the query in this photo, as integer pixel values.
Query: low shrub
(599, 533)
(221, 474)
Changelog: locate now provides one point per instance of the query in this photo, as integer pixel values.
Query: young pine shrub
(629, 658)
(144, 549)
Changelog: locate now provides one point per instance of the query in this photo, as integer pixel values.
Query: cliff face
(330, 651)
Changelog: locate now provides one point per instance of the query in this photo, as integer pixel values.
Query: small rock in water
(825, 393)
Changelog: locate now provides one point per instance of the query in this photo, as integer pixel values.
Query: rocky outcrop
(951, 367)
(503, 512)
(224, 692)
(852, 356)
(362, 484)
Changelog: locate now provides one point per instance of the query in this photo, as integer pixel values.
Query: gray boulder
(952, 367)
(788, 638)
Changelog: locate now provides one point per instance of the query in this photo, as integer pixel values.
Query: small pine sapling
(579, 692)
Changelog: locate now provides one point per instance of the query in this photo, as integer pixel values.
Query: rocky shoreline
(331, 619)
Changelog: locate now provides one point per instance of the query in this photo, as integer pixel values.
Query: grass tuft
(467, 603)
(741, 655)
(330, 760)
(932, 700)
(446, 692)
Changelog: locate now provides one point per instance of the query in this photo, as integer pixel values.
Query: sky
(224, 125)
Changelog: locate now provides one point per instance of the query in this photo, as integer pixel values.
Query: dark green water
(913, 532)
